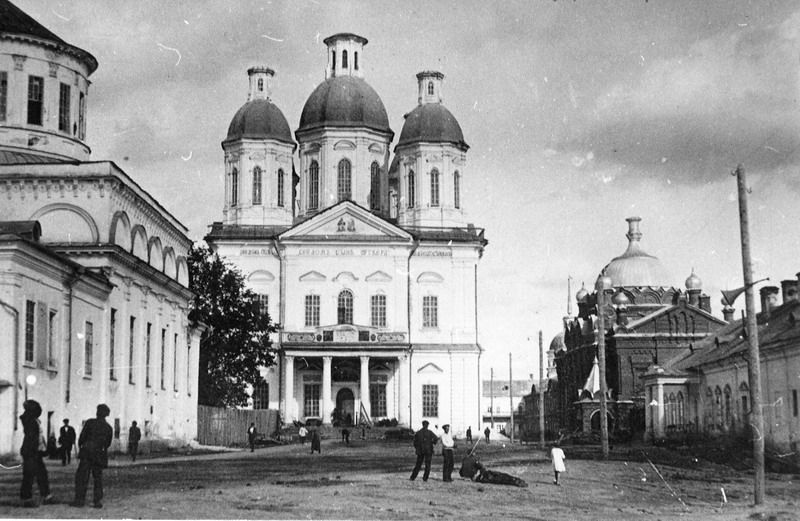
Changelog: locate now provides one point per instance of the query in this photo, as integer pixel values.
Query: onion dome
(620, 298)
(693, 282)
(344, 101)
(582, 293)
(259, 118)
(635, 267)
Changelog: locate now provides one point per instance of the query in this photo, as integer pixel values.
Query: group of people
(424, 441)
(93, 443)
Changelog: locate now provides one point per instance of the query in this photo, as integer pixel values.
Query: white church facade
(368, 266)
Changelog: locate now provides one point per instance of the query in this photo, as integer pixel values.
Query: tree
(236, 342)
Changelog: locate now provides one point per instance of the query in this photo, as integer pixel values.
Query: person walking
(303, 432)
(469, 434)
(346, 435)
(448, 446)
(134, 435)
(93, 444)
(32, 451)
(486, 433)
(315, 441)
(252, 433)
(424, 440)
(557, 455)
(66, 438)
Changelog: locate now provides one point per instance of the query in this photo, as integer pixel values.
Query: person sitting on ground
(473, 469)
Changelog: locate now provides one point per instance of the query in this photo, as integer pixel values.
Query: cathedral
(368, 266)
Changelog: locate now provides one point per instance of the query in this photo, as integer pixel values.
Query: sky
(578, 114)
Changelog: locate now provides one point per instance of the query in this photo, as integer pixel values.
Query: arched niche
(430, 276)
(119, 232)
(169, 263)
(183, 271)
(139, 242)
(155, 253)
(63, 222)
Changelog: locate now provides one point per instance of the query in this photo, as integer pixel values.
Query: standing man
(66, 438)
(448, 444)
(32, 450)
(469, 434)
(486, 433)
(424, 440)
(93, 446)
(134, 435)
(303, 432)
(251, 436)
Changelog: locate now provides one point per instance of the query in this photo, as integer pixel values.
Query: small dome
(557, 344)
(259, 119)
(431, 123)
(344, 101)
(582, 293)
(693, 281)
(620, 299)
(635, 267)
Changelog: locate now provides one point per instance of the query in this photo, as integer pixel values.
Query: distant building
(369, 266)
(93, 277)
(497, 403)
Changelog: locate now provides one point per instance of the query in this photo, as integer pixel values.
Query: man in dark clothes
(134, 435)
(486, 433)
(252, 433)
(346, 435)
(32, 452)
(66, 438)
(473, 469)
(469, 434)
(424, 440)
(315, 441)
(93, 444)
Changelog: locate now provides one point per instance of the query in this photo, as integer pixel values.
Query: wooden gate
(228, 427)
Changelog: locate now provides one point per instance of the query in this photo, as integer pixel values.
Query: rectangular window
(456, 190)
(35, 99)
(261, 395)
(52, 336)
(311, 399)
(263, 304)
(434, 187)
(411, 189)
(188, 364)
(256, 185)
(3, 94)
(430, 401)
(377, 399)
(147, 342)
(81, 116)
(63, 108)
(280, 188)
(88, 351)
(378, 307)
(30, 322)
(794, 403)
(312, 310)
(131, 350)
(163, 358)
(175, 363)
(430, 311)
(112, 337)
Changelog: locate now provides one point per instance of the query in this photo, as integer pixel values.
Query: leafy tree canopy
(236, 342)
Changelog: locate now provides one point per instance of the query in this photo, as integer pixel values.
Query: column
(660, 411)
(327, 405)
(403, 398)
(364, 394)
(288, 390)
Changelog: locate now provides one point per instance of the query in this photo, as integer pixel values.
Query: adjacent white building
(369, 270)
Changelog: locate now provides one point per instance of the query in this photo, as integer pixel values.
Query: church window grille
(430, 88)
(35, 99)
(175, 362)
(344, 184)
(377, 399)
(147, 342)
(375, 187)
(280, 187)
(257, 185)
(378, 307)
(344, 308)
(3, 94)
(430, 401)
(434, 187)
(313, 186)
(411, 189)
(430, 311)
(234, 187)
(162, 379)
(312, 310)
(63, 108)
(30, 316)
(344, 59)
(261, 395)
(81, 116)
(457, 189)
(263, 304)
(112, 344)
(131, 348)
(88, 348)
(311, 399)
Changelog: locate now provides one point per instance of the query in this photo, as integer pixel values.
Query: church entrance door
(345, 405)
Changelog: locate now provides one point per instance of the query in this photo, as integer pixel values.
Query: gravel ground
(369, 480)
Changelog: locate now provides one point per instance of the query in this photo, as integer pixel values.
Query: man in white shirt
(448, 444)
(303, 432)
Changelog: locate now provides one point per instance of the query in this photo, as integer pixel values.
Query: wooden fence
(228, 427)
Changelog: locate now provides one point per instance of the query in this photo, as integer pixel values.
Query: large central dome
(635, 267)
(344, 101)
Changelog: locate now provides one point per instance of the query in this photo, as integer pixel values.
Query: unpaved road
(369, 480)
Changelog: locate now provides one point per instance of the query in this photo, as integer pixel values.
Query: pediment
(679, 319)
(430, 367)
(346, 221)
(344, 145)
(378, 276)
(345, 276)
(312, 276)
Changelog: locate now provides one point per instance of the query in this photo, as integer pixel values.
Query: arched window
(333, 60)
(411, 189)
(457, 189)
(375, 186)
(344, 59)
(234, 187)
(434, 187)
(344, 308)
(430, 88)
(343, 190)
(728, 416)
(718, 407)
(708, 409)
(260, 84)
(671, 410)
(280, 187)
(355, 60)
(257, 185)
(313, 186)
(681, 410)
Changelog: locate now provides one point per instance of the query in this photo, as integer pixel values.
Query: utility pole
(603, 283)
(491, 395)
(541, 389)
(511, 397)
(754, 365)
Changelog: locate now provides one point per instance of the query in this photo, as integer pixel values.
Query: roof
(468, 234)
(30, 230)
(344, 101)
(635, 267)
(11, 157)
(260, 119)
(431, 123)
(220, 231)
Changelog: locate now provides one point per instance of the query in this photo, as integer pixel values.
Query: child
(557, 455)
